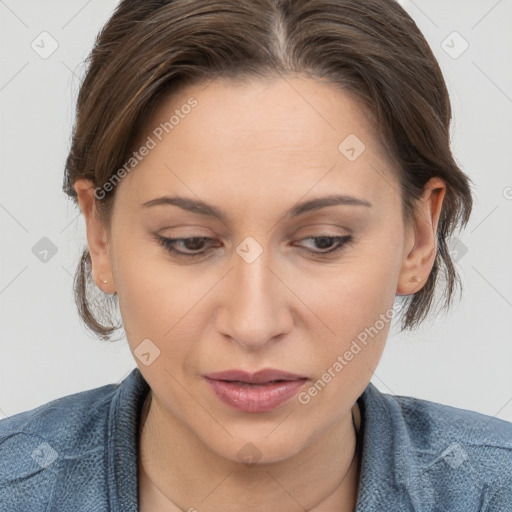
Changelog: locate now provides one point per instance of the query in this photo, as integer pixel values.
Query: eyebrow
(202, 208)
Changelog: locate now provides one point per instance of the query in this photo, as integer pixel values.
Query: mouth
(265, 376)
(262, 391)
(253, 384)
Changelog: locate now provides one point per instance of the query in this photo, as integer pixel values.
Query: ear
(97, 237)
(420, 246)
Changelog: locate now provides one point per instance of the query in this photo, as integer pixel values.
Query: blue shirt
(79, 454)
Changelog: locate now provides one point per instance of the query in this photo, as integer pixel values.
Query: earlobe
(97, 236)
(420, 248)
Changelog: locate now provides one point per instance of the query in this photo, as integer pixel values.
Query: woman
(260, 180)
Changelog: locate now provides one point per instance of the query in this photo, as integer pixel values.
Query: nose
(256, 304)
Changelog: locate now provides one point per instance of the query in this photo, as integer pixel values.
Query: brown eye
(195, 246)
(323, 242)
(189, 244)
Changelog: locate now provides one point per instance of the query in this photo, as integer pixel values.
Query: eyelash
(169, 244)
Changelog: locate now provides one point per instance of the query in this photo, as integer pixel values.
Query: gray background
(462, 359)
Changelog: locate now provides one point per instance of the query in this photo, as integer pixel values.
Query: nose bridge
(254, 309)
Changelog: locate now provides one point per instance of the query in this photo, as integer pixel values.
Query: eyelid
(341, 241)
(169, 243)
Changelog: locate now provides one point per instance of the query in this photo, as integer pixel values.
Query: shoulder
(63, 419)
(432, 425)
(423, 416)
(451, 455)
(39, 446)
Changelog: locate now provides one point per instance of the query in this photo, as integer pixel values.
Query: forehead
(262, 137)
(260, 115)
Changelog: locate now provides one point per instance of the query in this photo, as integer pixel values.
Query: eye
(195, 246)
(195, 243)
(325, 241)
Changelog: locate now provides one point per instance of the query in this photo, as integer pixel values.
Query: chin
(252, 450)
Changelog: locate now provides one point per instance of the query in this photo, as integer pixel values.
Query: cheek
(354, 296)
(357, 306)
(344, 363)
(144, 288)
(159, 300)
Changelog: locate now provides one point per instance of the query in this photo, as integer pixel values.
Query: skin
(255, 150)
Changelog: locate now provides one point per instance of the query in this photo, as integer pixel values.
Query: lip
(255, 392)
(260, 377)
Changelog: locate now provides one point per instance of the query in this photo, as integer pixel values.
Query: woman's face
(258, 288)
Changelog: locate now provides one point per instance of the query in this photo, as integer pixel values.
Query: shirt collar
(123, 442)
(390, 474)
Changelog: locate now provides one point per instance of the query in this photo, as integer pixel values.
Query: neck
(178, 472)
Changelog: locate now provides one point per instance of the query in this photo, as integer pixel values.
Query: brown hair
(150, 49)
